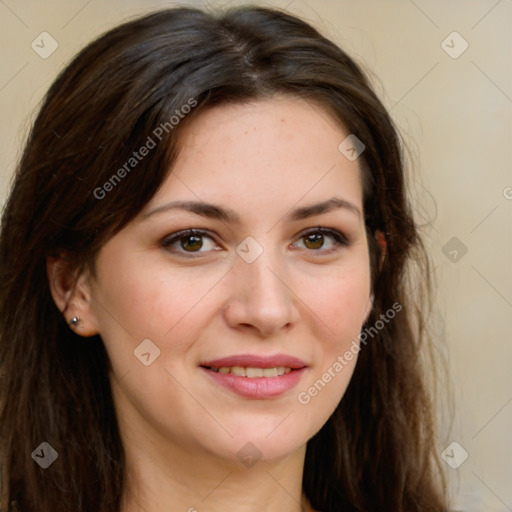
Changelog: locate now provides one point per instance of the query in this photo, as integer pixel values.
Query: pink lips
(255, 361)
(257, 387)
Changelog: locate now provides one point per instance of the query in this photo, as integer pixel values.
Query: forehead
(271, 152)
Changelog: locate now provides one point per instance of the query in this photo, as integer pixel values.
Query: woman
(203, 282)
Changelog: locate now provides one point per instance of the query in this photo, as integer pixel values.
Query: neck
(177, 479)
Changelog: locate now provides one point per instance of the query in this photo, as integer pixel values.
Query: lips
(256, 361)
(254, 376)
(252, 372)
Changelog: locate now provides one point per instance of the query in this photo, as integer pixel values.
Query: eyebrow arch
(217, 212)
(324, 207)
(200, 208)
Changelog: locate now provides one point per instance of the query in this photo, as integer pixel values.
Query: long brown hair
(376, 450)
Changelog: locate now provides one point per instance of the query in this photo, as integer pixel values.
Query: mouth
(249, 372)
(256, 377)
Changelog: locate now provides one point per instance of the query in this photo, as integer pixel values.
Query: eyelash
(168, 241)
(339, 238)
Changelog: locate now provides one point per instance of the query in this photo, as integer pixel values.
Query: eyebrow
(199, 208)
(318, 209)
(213, 211)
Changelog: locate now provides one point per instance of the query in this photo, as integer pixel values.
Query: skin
(180, 429)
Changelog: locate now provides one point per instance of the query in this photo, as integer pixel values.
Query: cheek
(341, 300)
(341, 307)
(150, 300)
(347, 311)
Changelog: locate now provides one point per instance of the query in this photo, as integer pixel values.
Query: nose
(261, 298)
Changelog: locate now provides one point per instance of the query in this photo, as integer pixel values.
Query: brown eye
(314, 240)
(321, 240)
(191, 243)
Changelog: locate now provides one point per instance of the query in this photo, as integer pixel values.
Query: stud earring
(74, 321)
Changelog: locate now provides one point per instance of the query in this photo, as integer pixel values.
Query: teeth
(241, 371)
(254, 372)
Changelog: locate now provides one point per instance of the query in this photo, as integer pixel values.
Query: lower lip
(257, 387)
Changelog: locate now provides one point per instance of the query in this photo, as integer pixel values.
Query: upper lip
(257, 361)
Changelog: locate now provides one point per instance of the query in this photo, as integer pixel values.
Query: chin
(266, 440)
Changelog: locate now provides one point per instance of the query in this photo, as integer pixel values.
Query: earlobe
(72, 295)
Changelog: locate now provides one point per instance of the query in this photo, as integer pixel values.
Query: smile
(251, 373)
(256, 376)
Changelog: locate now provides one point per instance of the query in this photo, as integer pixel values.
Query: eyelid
(169, 240)
(325, 231)
(340, 238)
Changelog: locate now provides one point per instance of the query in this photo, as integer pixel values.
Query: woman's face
(248, 272)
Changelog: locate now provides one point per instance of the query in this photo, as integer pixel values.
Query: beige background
(456, 116)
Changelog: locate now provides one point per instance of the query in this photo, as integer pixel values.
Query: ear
(71, 292)
(368, 308)
(383, 245)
